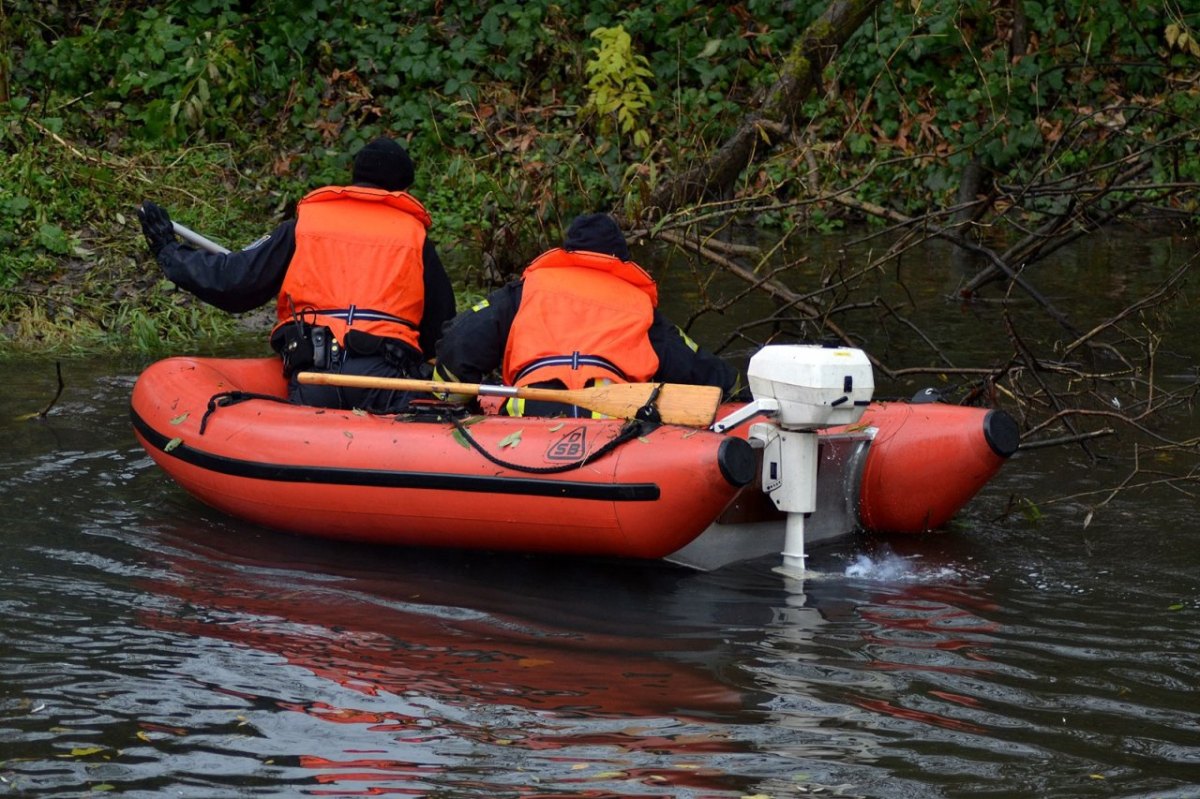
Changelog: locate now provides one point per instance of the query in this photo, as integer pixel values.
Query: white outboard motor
(800, 388)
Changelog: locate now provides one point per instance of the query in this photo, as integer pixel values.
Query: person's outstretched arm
(235, 282)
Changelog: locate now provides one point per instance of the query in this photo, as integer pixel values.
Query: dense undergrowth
(521, 114)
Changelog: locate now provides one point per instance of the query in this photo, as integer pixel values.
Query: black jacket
(243, 280)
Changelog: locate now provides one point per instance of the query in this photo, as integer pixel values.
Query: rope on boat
(646, 420)
(629, 431)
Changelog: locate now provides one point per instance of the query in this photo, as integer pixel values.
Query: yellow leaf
(172, 444)
(143, 736)
(180, 419)
(511, 440)
(84, 751)
(1172, 34)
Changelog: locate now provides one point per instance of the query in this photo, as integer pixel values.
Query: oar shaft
(695, 406)
(404, 384)
(192, 237)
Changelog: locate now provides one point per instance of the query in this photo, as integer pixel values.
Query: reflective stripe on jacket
(583, 316)
(357, 263)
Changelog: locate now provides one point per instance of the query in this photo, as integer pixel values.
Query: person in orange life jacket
(580, 315)
(358, 284)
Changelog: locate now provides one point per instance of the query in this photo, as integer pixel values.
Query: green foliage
(228, 111)
(617, 86)
(1093, 81)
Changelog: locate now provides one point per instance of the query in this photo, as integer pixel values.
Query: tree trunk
(772, 121)
(1018, 45)
(5, 55)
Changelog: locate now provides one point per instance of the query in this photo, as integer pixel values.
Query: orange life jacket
(584, 316)
(357, 263)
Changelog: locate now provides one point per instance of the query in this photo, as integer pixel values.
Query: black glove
(156, 226)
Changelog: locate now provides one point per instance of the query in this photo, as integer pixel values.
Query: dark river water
(152, 647)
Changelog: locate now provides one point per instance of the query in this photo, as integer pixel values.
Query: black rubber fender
(738, 463)
(1001, 432)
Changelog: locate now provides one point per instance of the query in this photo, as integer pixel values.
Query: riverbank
(950, 118)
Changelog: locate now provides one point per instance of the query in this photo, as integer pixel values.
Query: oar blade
(677, 403)
(694, 406)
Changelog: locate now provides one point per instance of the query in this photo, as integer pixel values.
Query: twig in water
(58, 371)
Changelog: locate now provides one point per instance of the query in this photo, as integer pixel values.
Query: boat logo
(571, 447)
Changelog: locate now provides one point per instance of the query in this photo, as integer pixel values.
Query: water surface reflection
(151, 647)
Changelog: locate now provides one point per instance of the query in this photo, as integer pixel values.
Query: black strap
(225, 398)
(649, 412)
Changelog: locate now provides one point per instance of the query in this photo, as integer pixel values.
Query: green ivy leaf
(53, 239)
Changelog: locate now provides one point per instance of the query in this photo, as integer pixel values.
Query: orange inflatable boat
(223, 431)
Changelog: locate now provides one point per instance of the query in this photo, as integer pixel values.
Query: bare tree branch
(771, 123)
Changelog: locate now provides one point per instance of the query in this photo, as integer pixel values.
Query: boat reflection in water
(461, 663)
(429, 670)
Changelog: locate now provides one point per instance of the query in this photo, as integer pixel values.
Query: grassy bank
(521, 114)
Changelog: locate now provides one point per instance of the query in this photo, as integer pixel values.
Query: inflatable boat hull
(691, 496)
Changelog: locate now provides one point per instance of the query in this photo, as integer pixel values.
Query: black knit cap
(596, 233)
(383, 164)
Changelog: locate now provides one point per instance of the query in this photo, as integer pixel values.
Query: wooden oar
(677, 403)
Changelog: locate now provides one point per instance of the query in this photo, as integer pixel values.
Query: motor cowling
(815, 386)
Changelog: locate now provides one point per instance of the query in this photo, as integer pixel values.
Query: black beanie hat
(383, 164)
(596, 233)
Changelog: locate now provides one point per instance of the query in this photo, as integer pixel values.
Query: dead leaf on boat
(172, 444)
(181, 418)
(511, 440)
